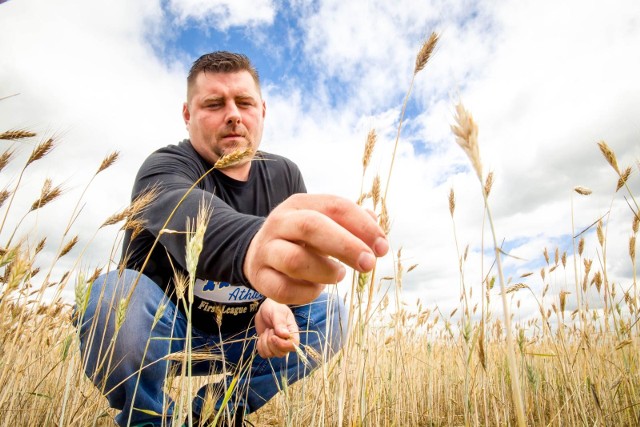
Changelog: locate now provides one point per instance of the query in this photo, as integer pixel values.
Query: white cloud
(223, 14)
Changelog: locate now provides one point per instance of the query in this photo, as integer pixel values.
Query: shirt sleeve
(228, 233)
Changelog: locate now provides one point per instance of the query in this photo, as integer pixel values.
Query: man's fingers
(270, 345)
(324, 235)
(302, 262)
(347, 214)
(281, 287)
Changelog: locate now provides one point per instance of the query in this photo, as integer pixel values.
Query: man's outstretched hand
(302, 243)
(277, 329)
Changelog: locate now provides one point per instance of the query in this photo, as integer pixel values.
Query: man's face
(224, 112)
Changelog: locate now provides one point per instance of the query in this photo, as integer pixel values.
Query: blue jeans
(130, 365)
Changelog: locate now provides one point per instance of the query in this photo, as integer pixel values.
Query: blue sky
(544, 80)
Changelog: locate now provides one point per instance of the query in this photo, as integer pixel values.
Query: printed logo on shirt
(225, 293)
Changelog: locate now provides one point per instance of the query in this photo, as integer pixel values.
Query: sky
(544, 80)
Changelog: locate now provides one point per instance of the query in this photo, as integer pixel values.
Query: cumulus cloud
(223, 14)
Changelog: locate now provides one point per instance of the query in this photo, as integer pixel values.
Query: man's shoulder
(181, 149)
(182, 152)
(274, 160)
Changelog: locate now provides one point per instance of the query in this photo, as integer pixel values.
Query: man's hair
(221, 62)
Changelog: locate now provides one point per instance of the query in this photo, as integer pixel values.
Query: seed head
(597, 280)
(425, 52)
(70, 244)
(384, 218)
(108, 161)
(563, 299)
(488, 183)
(581, 246)
(16, 134)
(47, 195)
(121, 312)
(40, 151)
(582, 190)
(234, 159)
(375, 191)
(452, 202)
(5, 158)
(600, 233)
(623, 178)
(4, 195)
(368, 149)
(609, 155)
(466, 132)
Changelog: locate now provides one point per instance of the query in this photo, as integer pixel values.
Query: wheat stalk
(466, 133)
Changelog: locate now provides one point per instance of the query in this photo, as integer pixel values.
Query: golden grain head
(600, 233)
(181, 283)
(632, 248)
(597, 280)
(452, 202)
(368, 149)
(384, 221)
(582, 190)
(426, 50)
(488, 183)
(40, 245)
(516, 288)
(70, 244)
(235, 158)
(563, 299)
(5, 158)
(47, 195)
(16, 134)
(40, 151)
(375, 191)
(362, 198)
(609, 155)
(634, 224)
(4, 195)
(466, 133)
(624, 176)
(108, 161)
(581, 246)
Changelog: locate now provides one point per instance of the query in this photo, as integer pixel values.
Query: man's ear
(264, 109)
(186, 115)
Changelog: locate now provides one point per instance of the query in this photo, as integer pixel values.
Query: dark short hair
(222, 62)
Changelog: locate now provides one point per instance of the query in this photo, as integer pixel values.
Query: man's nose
(233, 114)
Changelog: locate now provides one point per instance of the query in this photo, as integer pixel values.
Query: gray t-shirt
(238, 211)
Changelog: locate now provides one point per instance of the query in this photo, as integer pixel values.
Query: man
(268, 251)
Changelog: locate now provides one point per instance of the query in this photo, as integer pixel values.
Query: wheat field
(405, 364)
